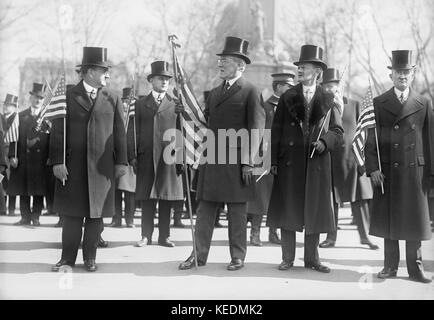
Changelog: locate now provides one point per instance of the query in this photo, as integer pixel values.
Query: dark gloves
(179, 108)
(179, 169)
(247, 174)
(273, 170)
(319, 146)
(133, 163)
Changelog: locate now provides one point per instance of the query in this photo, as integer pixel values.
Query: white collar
(398, 93)
(89, 88)
(311, 88)
(155, 94)
(232, 81)
(35, 111)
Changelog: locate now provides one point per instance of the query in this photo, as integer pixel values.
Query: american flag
(12, 133)
(131, 107)
(194, 123)
(366, 120)
(56, 107)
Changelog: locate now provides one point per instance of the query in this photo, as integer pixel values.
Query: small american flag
(366, 121)
(12, 133)
(131, 107)
(194, 120)
(57, 106)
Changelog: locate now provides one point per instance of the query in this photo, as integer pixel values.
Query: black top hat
(38, 90)
(236, 47)
(126, 92)
(69, 86)
(94, 56)
(331, 75)
(312, 54)
(159, 68)
(206, 94)
(402, 59)
(11, 100)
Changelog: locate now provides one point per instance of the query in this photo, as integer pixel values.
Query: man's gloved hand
(273, 170)
(179, 108)
(13, 162)
(60, 172)
(377, 178)
(179, 169)
(133, 163)
(32, 142)
(319, 146)
(247, 173)
(120, 170)
(2, 168)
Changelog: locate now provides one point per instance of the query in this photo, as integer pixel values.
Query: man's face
(125, 105)
(99, 77)
(282, 87)
(330, 87)
(401, 78)
(36, 101)
(160, 83)
(307, 72)
(229, 67)
(9, 108)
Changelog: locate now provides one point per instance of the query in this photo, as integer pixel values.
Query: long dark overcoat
(239, 108)
(406, 144)
(155, 178)
(302, 190)
(265, 185)
(95, 143)
(30, 177)
(349, 184)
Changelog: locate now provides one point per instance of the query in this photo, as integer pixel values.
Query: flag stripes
(12, 133)
(57, 106)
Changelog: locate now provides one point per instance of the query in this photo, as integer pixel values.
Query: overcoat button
(291, 143)
(396, 127)
(396, 164)
(293, 123)
(288, 163)
(413, 126)
(396, 145)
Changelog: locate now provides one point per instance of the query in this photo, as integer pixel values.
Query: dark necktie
(226, 87)
(92, 95)
(159, 99)
(401, 98)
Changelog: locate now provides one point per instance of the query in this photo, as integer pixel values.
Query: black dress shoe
(327, 244)
(317, 267)
(102, 243)
(166, 243)
(420, 277)
(189, 263)
(285, 265)
(387, 273)
(255, 241)
(130, 225)
(115, 224)
(178, 224)
(218, 225)
(61, 263)
(145, 241)
(370, 245)
(36, 222)
(236, 264)
(273, 238)
(22, 222)
(90, 265)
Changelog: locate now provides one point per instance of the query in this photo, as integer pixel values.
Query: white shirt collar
(155, 94)
(34, 111)
(311, 88)
(399, 92)
(89, 88)
(232, 81)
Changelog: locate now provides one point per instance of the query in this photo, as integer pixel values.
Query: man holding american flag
(400, 161)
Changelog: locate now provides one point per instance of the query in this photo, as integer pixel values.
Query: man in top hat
(157, 182)
(301, 196)
(349, 185)
(3, 163)
(28, 160)
(125, 185)
(96, 155)
(235, 105)
(282, 81)
(405, 134)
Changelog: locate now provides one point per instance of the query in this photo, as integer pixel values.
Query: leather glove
(14, 162)
(377, 178)
(32, 142)
(60, 172)
(273, 170)
(319, 146)
(133, 163)
(246, 172)
(179, 108)
(179, 169)
(120, 170)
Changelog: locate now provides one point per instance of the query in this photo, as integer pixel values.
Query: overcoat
(302, 190)
(128, 181)
(349, 184)
(95, 143)
(265, 185)
(30, 177)
(406, 144)
(241, 109)
(155, 178)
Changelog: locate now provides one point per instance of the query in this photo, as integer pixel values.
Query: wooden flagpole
(172, 39)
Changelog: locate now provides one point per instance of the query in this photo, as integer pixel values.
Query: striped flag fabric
(12, 133)
(194, 123)
(366, 120)
(131, 107)
(56, 107)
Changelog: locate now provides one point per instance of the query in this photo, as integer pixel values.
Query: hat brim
(36, 94)
(331, 80)
(406, 67)
(101, 65)
(239, 55)
(322, 64)
(168, 75)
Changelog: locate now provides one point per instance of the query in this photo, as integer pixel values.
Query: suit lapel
(232, 90)
(391, 103)
(412, 105)
(165, 103)
(81, 97)
(150, 103)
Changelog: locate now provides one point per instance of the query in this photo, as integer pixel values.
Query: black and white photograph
(223, 150)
